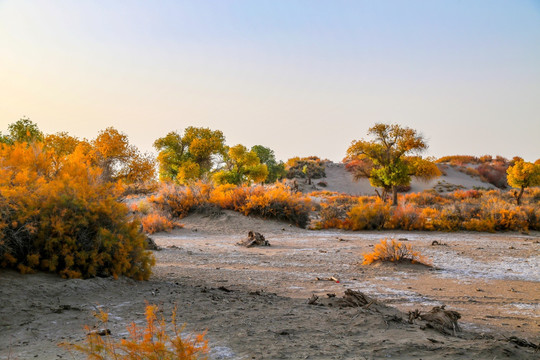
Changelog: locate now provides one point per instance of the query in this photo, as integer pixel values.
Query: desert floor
(253, 301)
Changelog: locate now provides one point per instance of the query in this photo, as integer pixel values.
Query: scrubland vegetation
(269, 202)
(59, 204)
(471, 210)
(62, 198)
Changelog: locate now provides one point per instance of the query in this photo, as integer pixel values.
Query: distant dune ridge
(338, 179)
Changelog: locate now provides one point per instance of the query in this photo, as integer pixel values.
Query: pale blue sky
(302, 77)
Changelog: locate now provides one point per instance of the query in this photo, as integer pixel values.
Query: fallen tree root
(438, 318)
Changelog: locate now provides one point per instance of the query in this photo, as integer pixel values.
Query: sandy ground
(254, 301)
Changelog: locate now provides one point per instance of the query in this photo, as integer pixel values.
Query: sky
(301, 77)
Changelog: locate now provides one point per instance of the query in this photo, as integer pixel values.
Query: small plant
(394, 251)
(155, 222)
(150, 342)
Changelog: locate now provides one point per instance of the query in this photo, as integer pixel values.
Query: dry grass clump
(151, 342)
(394, 251)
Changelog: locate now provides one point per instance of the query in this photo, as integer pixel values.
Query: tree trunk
(394, 196)
(518, 198)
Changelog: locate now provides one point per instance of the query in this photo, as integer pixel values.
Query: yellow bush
(368, 216)
(65, 219)
(151, 342)
(269, 202)
(394, 251)
(155, 222)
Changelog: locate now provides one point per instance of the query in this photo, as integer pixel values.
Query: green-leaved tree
(276, 170)
(187, 157)
(391, 158)
(241, 166)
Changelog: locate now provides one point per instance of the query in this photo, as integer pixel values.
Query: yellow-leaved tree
(523, 175)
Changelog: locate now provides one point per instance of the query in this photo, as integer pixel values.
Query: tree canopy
(23, 130)
(276, 170)
(110, 151)
(190, 156)
(241, 166)
(522, 175)
(391, 158)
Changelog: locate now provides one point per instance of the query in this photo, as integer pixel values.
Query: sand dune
(340, 180)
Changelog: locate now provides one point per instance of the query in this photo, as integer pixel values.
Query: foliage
(393, 251)
(191, 156)
(523, 175)
(472, 210)
(155, 222)
(269, 202)
(153, 341)
(241, 167)
(66, 221)
(461, 160)
(110, 151)
(368, 216)
(23, 130)
(277, 202)
(387, 160)
(119, 160)
(276, 170)
(310, 167)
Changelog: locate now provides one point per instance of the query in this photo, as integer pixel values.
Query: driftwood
(254, 239)
(351, 298)
(438, 318)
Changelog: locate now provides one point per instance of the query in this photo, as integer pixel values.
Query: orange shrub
(465, 194)
(426, 198)
(155, 222)
(66, 221)
(269, 202)
(406, 217)
(150, 342)
(370, 216)
(180, 200)
(393, 251)
(229, 196)
(277, 202)
(459, 160)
